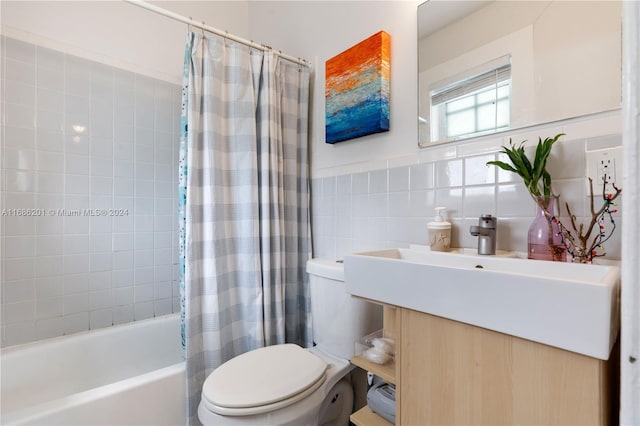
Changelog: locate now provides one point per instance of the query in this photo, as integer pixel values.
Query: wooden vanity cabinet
(451, 373)
(455, 373)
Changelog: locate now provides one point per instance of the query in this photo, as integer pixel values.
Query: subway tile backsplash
(81, 136)
(391, 207)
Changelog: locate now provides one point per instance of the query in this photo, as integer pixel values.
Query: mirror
(564, 60)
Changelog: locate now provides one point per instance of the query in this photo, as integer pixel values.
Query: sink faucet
(486, 233)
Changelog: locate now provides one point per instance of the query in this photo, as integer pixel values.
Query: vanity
(492, 340)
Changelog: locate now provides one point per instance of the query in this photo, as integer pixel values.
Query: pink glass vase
(544, 238)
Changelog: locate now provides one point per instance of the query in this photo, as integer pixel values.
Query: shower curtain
(244, 205)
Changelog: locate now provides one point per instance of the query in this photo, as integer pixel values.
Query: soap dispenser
(439, 231)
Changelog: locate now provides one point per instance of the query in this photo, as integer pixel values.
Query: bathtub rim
(29, 414)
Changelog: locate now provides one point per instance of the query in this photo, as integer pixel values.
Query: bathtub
(130, 374)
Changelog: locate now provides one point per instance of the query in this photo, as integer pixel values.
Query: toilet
(286, 384)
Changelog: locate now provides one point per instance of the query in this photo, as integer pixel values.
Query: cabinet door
(453, 373)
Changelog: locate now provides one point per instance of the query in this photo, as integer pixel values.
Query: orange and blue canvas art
(357, 90)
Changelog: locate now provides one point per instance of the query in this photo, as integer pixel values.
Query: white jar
(439, 231)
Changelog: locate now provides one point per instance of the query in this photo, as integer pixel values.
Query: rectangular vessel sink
(569, 306)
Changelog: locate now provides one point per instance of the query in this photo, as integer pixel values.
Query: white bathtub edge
(31, 414)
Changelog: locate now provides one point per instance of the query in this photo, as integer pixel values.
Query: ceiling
(435, 14)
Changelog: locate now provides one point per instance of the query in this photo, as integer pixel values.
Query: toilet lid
(262, 377)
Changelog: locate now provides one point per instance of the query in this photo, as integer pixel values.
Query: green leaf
(525, 161)
(502, 165)
(547, 184)
(518, 158)
(535, 176)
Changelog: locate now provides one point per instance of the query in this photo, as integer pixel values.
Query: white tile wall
(79, 135)
(391, 207)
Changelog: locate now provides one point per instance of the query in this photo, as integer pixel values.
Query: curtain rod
(201, 25)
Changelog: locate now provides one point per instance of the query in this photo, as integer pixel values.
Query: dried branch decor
(580, 245)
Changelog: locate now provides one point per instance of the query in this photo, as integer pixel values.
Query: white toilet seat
(260, 381)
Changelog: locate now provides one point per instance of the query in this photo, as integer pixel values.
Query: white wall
(117, 33)
(630, 306)
(319, 30)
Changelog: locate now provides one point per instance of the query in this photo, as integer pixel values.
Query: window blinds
(470, 85)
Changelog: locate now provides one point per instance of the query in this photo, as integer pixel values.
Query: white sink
(569, 306)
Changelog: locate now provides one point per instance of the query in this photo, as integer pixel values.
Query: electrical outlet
(606, 169)
(604, 165)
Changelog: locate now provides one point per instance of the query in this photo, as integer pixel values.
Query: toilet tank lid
(327, 268)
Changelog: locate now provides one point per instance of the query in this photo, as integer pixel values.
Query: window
(472, 107)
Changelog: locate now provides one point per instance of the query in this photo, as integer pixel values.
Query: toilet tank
(339, 319)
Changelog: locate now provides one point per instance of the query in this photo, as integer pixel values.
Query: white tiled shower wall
(76, 135)
(389, 203)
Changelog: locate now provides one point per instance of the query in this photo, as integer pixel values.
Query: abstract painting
(357, 90)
